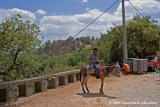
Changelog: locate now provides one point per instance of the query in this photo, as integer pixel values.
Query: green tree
(18, 41)
(143, 36)
(79, 58)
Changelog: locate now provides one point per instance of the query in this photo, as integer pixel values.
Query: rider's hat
(95, 49)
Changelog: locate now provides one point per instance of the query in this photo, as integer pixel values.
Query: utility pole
(125, 52)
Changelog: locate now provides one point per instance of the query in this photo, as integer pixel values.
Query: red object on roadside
(156, 64)
(153, 62)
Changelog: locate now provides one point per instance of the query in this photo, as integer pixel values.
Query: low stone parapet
(28, 87)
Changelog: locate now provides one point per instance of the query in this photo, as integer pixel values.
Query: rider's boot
(97, 75)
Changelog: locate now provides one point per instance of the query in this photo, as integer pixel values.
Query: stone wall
(28, 87)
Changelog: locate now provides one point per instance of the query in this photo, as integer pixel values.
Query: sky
(59, 19)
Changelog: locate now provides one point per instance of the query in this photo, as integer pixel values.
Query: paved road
(119, 92)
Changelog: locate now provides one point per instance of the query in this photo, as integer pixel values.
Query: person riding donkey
(94, 62)
(100, 70)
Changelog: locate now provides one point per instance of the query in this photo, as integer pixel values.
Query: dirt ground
(126, 91)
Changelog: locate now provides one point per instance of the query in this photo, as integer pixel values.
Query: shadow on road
(89, 95)
(157, 82)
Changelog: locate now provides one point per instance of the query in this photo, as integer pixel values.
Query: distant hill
(66, 46)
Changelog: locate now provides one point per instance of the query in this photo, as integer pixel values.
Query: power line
(135, 8)
(95, 19)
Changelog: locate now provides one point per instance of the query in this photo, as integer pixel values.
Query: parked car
(152, 61)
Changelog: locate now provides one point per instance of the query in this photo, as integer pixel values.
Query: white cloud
(27, 15)
(68, 25)
(84, 1)
(55, 26)
(146, 7)
(41, 12)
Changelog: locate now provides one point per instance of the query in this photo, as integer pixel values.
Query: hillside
(66, 46)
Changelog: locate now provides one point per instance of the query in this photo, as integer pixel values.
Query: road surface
(126, 91)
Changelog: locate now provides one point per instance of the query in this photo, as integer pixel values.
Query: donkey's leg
(86, 81)
(82, 84)
(159, 76)
(102, 83)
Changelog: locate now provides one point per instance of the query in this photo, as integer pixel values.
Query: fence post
(29, 88)
(65, 79)
(10, 95)
(74, 77)
(53, 82)
(44, 85)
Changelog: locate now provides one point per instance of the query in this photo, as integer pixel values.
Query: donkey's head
(117, 70)
(114, 70)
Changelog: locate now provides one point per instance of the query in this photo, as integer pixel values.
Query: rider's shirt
(93, 59)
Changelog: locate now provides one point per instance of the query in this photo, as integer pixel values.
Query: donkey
(85, 71)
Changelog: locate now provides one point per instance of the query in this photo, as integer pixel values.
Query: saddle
(91, 70)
